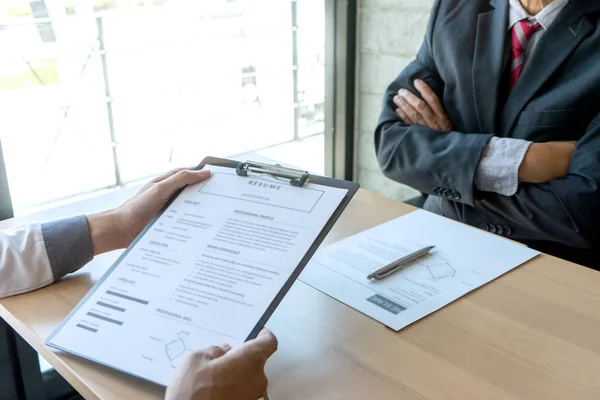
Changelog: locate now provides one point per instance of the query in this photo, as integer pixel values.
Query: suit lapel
(561, 39)
(488, 62)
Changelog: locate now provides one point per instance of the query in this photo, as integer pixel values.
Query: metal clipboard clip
(297, 177)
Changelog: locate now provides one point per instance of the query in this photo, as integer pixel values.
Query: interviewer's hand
(427, 111)
(544, 162)
(219, 373)
(116, 229)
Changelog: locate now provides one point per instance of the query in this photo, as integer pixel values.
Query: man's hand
(219, 373)
(544, 162)
(427, 111)
(116, 229)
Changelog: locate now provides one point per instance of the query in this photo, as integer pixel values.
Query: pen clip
(388, 273)
(296, 177)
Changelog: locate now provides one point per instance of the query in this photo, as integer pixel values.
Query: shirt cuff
(498, 170)
(68, 245)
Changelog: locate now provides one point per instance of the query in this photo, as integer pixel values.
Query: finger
(426, 114)
(431, 98)
(167, 187)
(412, 114)
(397, 100)
(213, 352)
(160, 178)
(167, 174)
(400, 113)
(226, 347)
(405, 118)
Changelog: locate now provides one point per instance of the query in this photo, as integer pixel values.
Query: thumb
(266, 343)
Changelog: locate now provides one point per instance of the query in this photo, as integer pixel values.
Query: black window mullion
(340, 77)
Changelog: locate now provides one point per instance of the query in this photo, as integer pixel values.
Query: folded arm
(552, 190)
(432, 160)
(505, 162)
(546, 191)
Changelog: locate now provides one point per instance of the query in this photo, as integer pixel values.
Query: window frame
(340, 88)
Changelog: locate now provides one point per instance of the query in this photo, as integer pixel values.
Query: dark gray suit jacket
(556, 98)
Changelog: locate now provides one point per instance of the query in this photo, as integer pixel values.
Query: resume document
(464, 259)
(204, 273)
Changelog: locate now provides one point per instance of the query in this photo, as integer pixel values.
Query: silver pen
(396, 266)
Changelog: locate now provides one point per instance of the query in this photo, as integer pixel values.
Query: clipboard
(296, 178)
(249, 169)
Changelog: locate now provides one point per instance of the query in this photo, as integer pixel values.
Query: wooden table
(532, 334)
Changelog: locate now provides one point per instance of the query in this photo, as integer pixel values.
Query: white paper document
(203, 274)
(464, 259)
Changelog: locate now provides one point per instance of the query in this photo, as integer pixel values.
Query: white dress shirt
(498, 170)
(36, 255)
(545, 18)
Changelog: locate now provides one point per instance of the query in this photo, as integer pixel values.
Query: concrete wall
(389, 34)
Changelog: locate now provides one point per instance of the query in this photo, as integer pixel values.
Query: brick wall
(389, 34)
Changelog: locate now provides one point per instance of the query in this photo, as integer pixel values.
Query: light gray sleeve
(68, 244)
(498, 170)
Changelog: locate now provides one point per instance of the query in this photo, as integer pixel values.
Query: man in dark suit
(498, 120)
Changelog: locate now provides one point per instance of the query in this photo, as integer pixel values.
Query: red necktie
(522, 33)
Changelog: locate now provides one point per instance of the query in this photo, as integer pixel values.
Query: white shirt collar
(545, 17)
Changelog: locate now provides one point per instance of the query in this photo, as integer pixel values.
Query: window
(96, 94)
